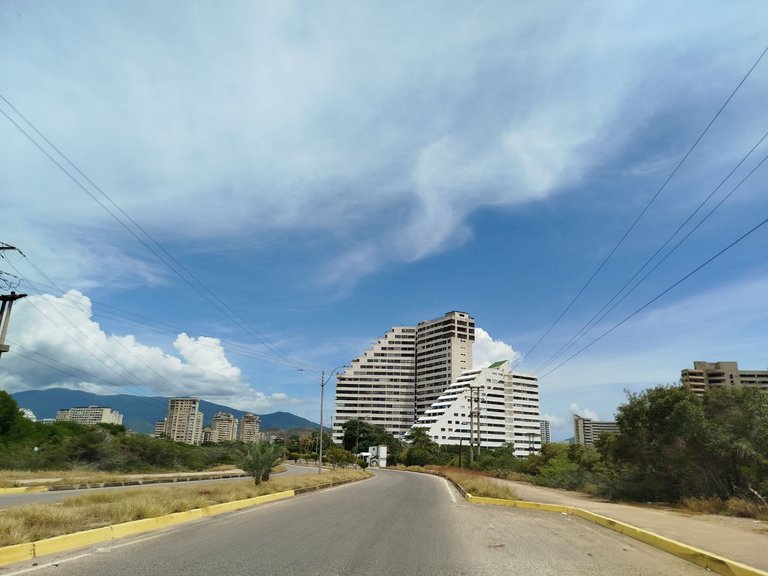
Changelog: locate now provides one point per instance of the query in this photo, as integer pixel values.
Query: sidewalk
(741, 539)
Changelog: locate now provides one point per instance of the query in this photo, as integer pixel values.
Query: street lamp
(323, 382)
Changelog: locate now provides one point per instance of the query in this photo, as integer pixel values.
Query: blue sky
(332, 170)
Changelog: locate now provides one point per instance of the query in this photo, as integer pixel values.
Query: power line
(597, 318)
(122, 315)
(647, 207)
(652, 300)
(161, 253)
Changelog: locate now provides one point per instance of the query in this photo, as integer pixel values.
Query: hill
(140, 412)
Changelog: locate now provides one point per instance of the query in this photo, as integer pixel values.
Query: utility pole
(477, 416)
(6, 306)
(471, 428)
(5, 315)
(320, 449)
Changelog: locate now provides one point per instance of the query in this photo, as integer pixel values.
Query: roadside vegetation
(704, 455)
(37, 521)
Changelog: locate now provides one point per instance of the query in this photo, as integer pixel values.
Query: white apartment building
(184, 422)
(707, 374)
(586, 431)
(508, 410)
(546, 434)
(404, 372)
(224, 426)
(379, 386)
(249, 428)
(443, 353)
(90, 415)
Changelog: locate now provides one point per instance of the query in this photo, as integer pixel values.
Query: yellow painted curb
(713, 562)
(27, 551)
(23, 489)
(16, 553)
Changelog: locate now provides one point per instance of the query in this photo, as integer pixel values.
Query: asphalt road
(10, 500)
(394, 524)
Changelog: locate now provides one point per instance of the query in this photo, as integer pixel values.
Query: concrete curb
(23, 489)
(708, 560)
(117, 483)
(65, 542)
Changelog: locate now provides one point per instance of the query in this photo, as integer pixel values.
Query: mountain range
(141, 412)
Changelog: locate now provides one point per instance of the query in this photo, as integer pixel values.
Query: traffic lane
(11, 500)
(394, 524)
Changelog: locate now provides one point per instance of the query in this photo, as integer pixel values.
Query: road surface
(397, 523)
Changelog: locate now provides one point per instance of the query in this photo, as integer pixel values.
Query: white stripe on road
(450, 490)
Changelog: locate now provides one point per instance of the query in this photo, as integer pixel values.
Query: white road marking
(48, 565)
(450, 490)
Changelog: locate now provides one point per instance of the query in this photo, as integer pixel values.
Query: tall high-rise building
(404, 372)
(184, 422)
(708, 374)
(586, 430)
(546, 434)
(443, 352)
(224, 426)
(90, 415)
(379, 386)
(249, 428)
(508, 410)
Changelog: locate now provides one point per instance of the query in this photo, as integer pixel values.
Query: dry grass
(478, 485)
(737, 507)
(38, 521)
(473, 481)
(14, 478)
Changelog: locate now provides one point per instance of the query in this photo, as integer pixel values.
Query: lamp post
(323, 382)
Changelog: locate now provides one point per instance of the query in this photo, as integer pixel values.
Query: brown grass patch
(38, 521)
(737, 507)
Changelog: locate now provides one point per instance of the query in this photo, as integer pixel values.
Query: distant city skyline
(320, 173)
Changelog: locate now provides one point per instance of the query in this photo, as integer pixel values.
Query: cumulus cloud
(554, 421)
(56, 343)
(583, 412)
(486, 350)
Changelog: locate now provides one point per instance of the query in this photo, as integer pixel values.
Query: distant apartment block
(406, 370)
(546, 435)
(249, 428)
(508, 410)
(90, 415)
(586, 430)
(705, 375)
(184, 422)
(159, 429)
(224, 426)
(210, 436)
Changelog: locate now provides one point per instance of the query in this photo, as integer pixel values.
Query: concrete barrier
(708, 560)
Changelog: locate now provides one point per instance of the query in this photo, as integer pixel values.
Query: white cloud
(73, 351)
(583, 412)
(486, 350)
(323, 120)
(554, 421)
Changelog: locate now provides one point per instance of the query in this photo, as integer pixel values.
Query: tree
(360, 435)
(259, 459)
(422, 450)
(9, 413)
(338, 456)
